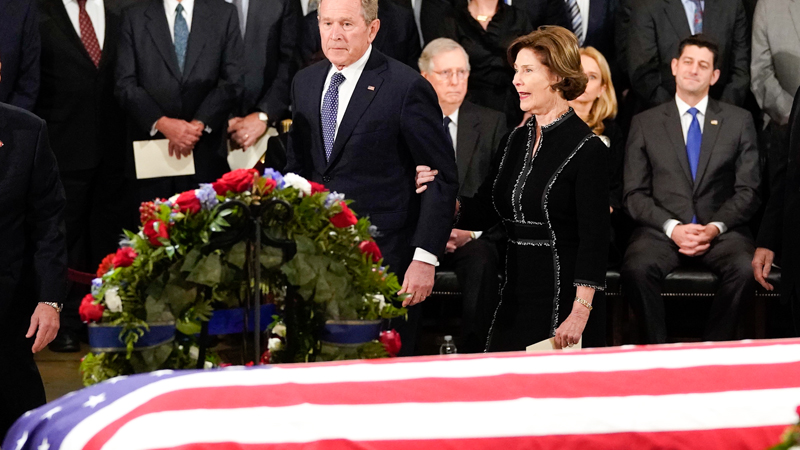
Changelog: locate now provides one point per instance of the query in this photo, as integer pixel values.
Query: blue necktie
(577, 20)
(694, 138)
(698, 16)
(181, 36)
(330, 109)
(446, 121)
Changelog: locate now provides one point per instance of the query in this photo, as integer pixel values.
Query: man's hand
(762, 264)
(418, 282)
(181, 134)
(245, 131)
(45, 318)
(457, 239)
(691, 239)
(424, 176)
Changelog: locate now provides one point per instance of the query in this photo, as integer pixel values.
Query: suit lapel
(794, 10)
(672, 123)
(158, 28)
(711, 126)
(362, 97)
(467, 138)
(677, 16)
(62, 21)
(201, 20)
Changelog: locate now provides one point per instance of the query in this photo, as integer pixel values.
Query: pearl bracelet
(584, 303)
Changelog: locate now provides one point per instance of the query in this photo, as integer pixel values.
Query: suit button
(326, 179)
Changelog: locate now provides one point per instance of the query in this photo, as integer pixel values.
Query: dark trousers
(651, 256)
(94, 218)
(21, 387)
(476, 265)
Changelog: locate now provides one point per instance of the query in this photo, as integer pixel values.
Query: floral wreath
(189, 260)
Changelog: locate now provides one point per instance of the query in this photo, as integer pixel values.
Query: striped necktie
(577, 20)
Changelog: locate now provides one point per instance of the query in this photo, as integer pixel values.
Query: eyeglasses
(461, 74)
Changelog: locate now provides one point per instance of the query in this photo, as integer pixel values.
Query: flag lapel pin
(714, 122)
(371, 88)
(1, 143)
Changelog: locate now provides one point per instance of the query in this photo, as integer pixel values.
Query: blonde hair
(605, 106)
(437, 47)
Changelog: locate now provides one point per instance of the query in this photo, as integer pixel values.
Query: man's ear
(714, 77)
(674, 66)
(373, 29)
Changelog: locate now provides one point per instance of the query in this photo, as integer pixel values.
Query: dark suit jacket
(385, 133)
(33, 263)
(76, 98)
(19, 53)
(397, 37)
(150, 85)
(781, 221)
(600, 30)
(269, 44)
(546, 12)
(480, 134)
(658, 26)
(658, 181)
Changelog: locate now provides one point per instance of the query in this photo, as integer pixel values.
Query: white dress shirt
(686, 122)
(169, 9)
(453, 128)
(351, 75)
(97, 14)
(690, 8)
(245, 8)
(583, 7)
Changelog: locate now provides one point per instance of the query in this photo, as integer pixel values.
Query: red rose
(106, 265)
(269, 185)
(370, 248)
(89, 311)
(155, 229)
(391, 342)
(124, 257)
(316, 187)
(345, 218)
(239, 180)
(798, 411)
(188, 201)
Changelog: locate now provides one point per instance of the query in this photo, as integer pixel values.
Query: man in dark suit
(778, 238)
(545, 12)
(20, 50)
(33, 263)
(691, 184)
(179, 77)
(477, 133)
(362, 123)
(86, 130)
(397, 37)
(270, 29)
(656, 30)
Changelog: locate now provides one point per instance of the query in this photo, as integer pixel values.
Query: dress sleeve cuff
(153, 130)
(426, 257)
(589, 284)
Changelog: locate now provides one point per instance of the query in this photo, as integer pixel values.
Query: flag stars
(51, 413)
(44, 445)
(95, 400)
(161, 373)
(21, 441)
(116, 380)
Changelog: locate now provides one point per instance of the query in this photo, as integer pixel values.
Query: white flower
(208, 365)
(113, 302)
(298, 182)
(279, 329)
(379, 298)
(173, 199)
(194, 352)
(274, 344)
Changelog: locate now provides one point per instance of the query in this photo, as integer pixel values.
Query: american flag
(729, 395)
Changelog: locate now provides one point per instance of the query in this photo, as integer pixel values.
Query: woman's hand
(424, 176)
(570, 331)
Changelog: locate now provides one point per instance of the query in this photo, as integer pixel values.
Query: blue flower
(333, 198)
(275, 175)
(97, 283)
(207, 196)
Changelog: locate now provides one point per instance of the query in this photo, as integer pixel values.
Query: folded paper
(153, 161)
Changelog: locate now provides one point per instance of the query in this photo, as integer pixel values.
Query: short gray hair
(435, 48)
(369, 10)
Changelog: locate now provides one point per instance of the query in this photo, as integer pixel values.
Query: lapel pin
(1, 143)
(371, 88)
(714, 122)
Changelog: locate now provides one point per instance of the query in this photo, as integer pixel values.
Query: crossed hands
(182, 135)
(694, 239)
(245, 131)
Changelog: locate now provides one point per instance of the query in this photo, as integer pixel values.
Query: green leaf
(207, 272)
(271, 257)
(150, 359)
(157, 311)
(178, 298)
(305, 245)
(191, 260)
(237, 254)
(188, 328)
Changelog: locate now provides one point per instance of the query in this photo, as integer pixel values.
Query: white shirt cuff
(721, 226)
(426, 257)
(478, 234)
(670, 225)
(153, 130)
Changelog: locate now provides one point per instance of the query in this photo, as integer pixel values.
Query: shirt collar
(684, 107)
(170, 5)
(352, 71)
(453, 117)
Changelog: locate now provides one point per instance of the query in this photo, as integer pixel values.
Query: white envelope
(549, 345)
(153, 161)
(247, 158)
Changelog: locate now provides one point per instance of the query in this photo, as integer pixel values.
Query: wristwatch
(263, 117)
(57, 306)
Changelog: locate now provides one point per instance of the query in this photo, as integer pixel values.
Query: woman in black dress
(549, 187)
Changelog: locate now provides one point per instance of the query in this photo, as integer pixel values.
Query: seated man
(691, 184)
(476, 133)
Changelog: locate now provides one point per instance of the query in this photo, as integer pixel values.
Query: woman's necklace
(483, 18)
